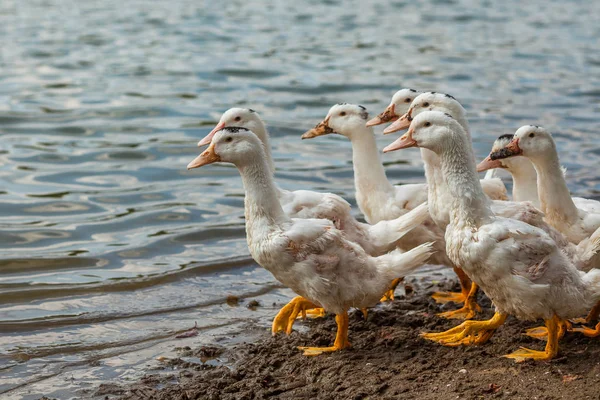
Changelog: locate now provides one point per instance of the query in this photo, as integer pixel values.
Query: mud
(388, 360)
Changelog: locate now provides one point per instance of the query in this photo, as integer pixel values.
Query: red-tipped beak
(208, 156)
(402, 123)
(513, 147)
(404, 142)
(208, 138)
(389, 114)
(488, 163)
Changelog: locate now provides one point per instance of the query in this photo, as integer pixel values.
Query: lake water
(109, 247)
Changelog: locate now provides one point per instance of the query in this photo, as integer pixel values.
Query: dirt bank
(388, 360)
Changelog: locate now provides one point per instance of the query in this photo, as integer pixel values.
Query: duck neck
(555, 198)
(261, 201)
(470, 206)
(524, 181)
(369, 175)
(262, 133)
(436, 185)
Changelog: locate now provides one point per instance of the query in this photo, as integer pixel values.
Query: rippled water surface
(109, 247)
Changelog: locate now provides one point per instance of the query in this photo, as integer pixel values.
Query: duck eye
(229, 139)
(407, 100)
(426, 104)
(342, 113)
(238, 118)
(427, 124)
(532, 134)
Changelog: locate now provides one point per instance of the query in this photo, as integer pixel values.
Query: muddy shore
(388, 360)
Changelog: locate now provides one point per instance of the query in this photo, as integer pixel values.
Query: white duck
(582, 254)
(438, 197)
(401, 100)
(579, 225)
(525, 177)
(536, 144)
(376, 239)
(522, 172)
(310, 256)
(379, 200)
(519, 266)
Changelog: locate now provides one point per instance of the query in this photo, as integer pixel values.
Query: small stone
(462, 371)
(253, 304)
(232, 301)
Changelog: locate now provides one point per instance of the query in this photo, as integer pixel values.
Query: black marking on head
(364, 108)
(433, 92)
(448, 115)
(251, 110)
(508, 136)
(413, 90)
(235, 129)
(450, 96)
(500, 154)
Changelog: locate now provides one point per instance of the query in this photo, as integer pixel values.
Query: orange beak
(389, 114)
(404, 142)
(321, 129)
(208, 156)
(208, 138)
(488, 163)
(402, 123)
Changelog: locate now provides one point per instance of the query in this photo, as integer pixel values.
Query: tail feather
(397, 264)
(592, 280)
(385, 233)
(588, 249)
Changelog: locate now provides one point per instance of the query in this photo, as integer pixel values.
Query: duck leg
(553, 327)
(589, 332)
(541, 332)
(341, 338)
(455, 297)
(287, 315)
(468, 310)
(469, 332)
(389, 295)
(591, 317)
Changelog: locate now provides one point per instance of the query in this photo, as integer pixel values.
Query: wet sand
(388, 360)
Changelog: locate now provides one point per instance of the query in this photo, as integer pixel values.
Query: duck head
(238, 117)
(399, 105)
(343, 118)
(531, 141)
(427, 130)
(428, 101)
(498, 145)
(229, 144)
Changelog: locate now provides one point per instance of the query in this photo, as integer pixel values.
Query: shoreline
(388, 360)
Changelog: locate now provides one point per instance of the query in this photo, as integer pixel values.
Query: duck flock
(536, 257)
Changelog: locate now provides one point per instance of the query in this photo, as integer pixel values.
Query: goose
(579, 225)
(311, 256)
(376, 239)
(519, 266)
